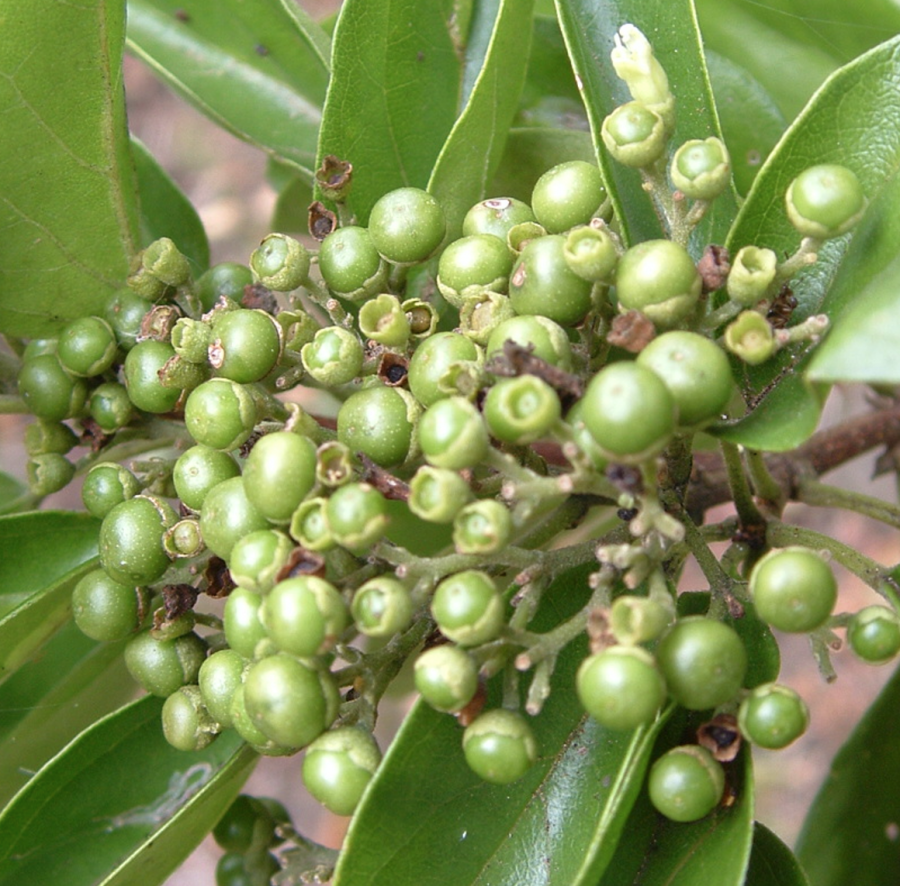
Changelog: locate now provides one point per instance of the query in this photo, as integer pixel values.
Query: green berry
(339, 765)
(309, 525)
(105, 609)
(280, 263)
(131, 548)
(228, 515)
(125, 312)
(591, 253)
(87, 346)
(542, 283)
(220, 414)
(482, 527)
(48, 390)
(453, 435)
(357, 516)
(793, 589)
(696, 372)
(431, 361)
(243, 628)
(245, 345)
(750, 338)
(468, 608)
(378, 422)
(686, 783)
(286, 701)
(407, 225)
(110, 406)
(350, 264)
(496, 216)
(629, 412)
(257, 558)
(621, 687)
(198, 470)
(246, 826)
(752, 273)
(521, 410)
(874, 634)
(164, 666)
(218, 678)
(634, 134)
(437, 494)
(279, 473)
(108, 484)
(446, 677)
(334, 356)
(547, 339)
(49, 473)
(472, 265)
(567, 195)
(228, 279)
(142, 367)
(701, 168)
(659, 279)
(703, 662)
(825, 201)
(43, 436)
(186, 723)
(499, 746)
(772, 716)
(304, 615)
(382, 607)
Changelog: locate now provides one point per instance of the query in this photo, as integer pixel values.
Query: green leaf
(771, 862)
(854, 119)
(166, 212)
(733, 29)
(14, 495)
(751, 122)
(68, 200)
(531, 152)
(427, 819)
(472, 152)
(393, 95)
(258, 68)
(588, 27)
(119, 805)
(715, 849)
(50, 699)
(549, 72)
(35, 584)
(851, 832)
(863, 342)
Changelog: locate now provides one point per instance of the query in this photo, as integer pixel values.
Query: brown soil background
(225, 180)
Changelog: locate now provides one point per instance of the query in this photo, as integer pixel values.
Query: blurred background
(225, 180)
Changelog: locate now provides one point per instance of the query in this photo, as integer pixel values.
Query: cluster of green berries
(439, 400)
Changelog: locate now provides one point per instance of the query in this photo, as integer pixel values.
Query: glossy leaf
(35, 584)
(863, 342)
(393, 94)
(69, 202)
(166, 212)
(771, 862)
(427, 818)
(549, 72)
(87, 817)
(751, 122)
(854, 119)
(50, 699)
(256, 67)
(472, 152)
(715, 849)
(14, 495)
(850, 834)
(588, 27)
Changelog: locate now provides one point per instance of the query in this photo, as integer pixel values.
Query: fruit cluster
(489, 390)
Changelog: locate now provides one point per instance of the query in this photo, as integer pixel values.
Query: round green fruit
(686, 783)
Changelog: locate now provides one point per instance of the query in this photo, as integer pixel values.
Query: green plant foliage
(73, 226)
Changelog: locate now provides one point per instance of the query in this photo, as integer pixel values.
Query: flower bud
(333, 357)
(634, 135)
(383, 320)
(825, 201)
(482, 527)
(591, 253)
(635, 619)
(437, 494)
(190, 338)
(521, 410)
(750, 337)
(701, 168)
(163, 260)
(634, 62)
(752, 273)
(280, 263)
(309, 525)
(480, 315)
(48, 473)
(43, 436)
(382, 607)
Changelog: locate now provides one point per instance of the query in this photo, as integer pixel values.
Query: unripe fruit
(257, 558)
(245, 345)
(220, 414)
(499, 746)
(338, 765)
(567, 195)
(382, 607)
(142, 367)
(333, 357)
(279, 473)
(547, 339)
(186, 723)
(482, 527)
(471, 265)
(280, 263)
(304, 615)
(350, 264)
(105, 609)
(621, 687)
(131, 548)
(452, 434)
(218, 678)
(228, 515)
(793, 589)
(446, 677)
(521, 410)
(703, 662)
(243, 628)
(226, 278)
(825, 201)
(659, 279)
(48, 390)
(378, 422)
(686, 783)
(701, 168)
(108, 484)
(629, 412)
(437, 494)
(200, 469)
(164, 666)
(634, 134)
(874, 634)
(496, 216)
(407, 225)
(110, 406)
(87, 346)
(431, 361)
(772, 716)
(468, 608)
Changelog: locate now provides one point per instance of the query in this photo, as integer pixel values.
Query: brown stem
(823, 452)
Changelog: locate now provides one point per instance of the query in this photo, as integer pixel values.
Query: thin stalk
(748, 514)
(812, 492)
